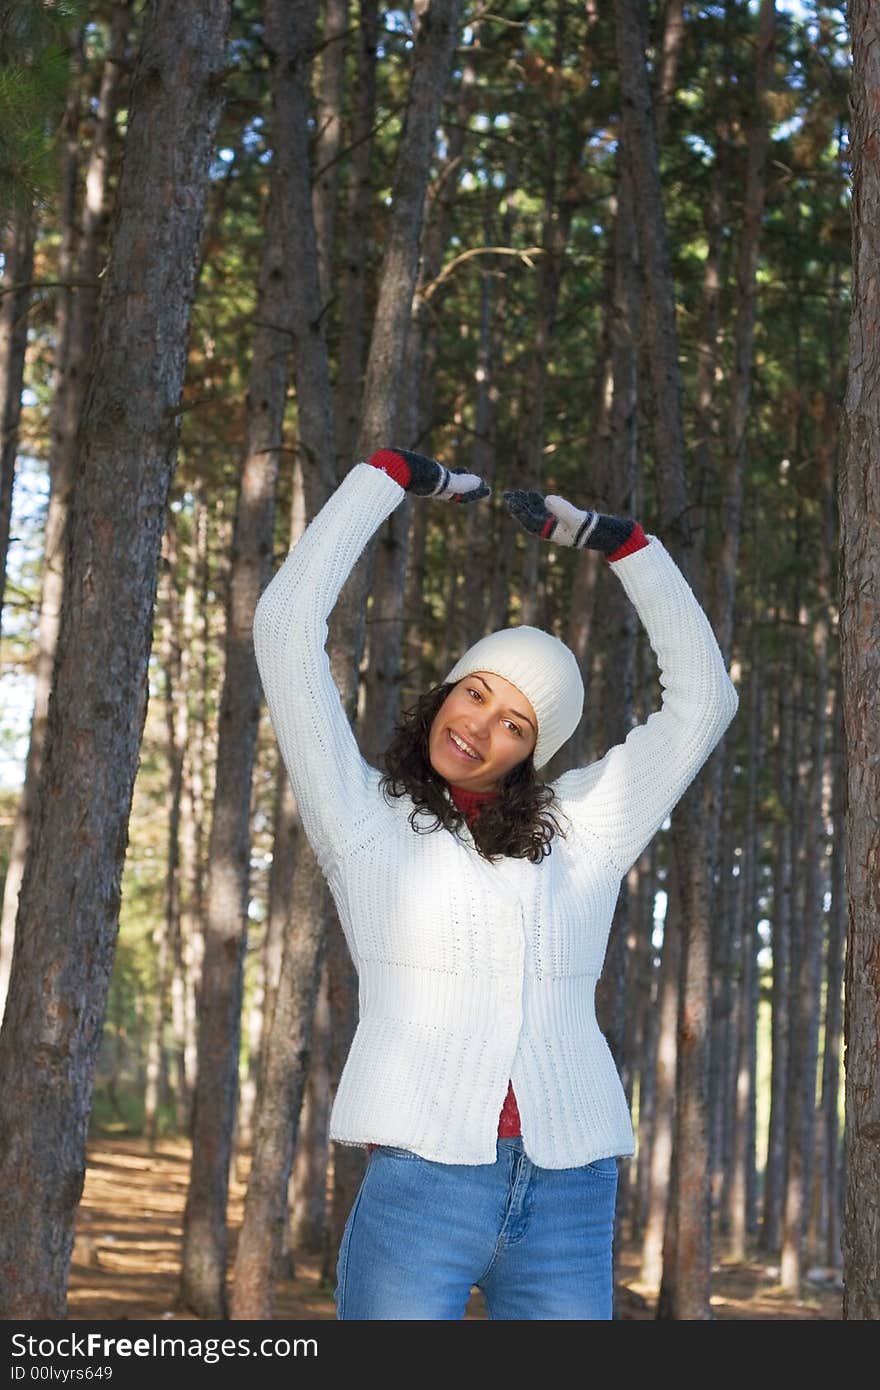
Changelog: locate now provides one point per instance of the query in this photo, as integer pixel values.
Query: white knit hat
(546, 672)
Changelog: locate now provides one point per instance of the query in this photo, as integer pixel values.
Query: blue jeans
(420, 1234)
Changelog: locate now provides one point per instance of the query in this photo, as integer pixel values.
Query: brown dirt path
(128, 1229)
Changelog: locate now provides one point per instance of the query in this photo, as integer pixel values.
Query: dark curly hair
(515, 824)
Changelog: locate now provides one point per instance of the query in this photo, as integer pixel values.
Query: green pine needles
(36, 44)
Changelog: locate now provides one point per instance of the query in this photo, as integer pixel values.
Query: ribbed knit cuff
(637, 540)
(391, 463)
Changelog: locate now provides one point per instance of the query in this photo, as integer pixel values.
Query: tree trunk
(746, 309)
(17, 271)
(195, 642)
(330, 91)
(616, 422)
(74, 337)
(612, 487)
(806, 999)
(339, 980)
(253, 1031)
(498, 590)
(431, 63)
(286, 842)
(659, 307)
(203, 1264)
(18, 268)
(182, 733)
(859, 504)
(486, 396)
(18, 249)
(348, 1166)
(69, 905)
(641, 1043)
(353, 267)
(743, 1155)
(167, 930)
(726, 973)
(834, 1008)
(287, 1054)
(733, 476)
(287, 845)
(685, 1288)
(827, 1186)
(563, 143)
(771, 1230)
(308, 1207)
(660, 1163)
(667, 68)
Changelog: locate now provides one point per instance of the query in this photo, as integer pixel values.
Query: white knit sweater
(472, 973)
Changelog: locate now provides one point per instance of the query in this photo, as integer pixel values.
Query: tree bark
(659, 303)
(286, 842)
(741, 1187)
(17, 269)
(662, 1137)
(806, 1001)
(167, 930)
(834, 1008)
(286, 1054)
(18, 256)
(179, 728)
(74, 336)
(203, 1264)
(687, 1250)
(641, 1041)
(196, 641)
(308, 1204)
(859, 505)
(69, 904)
(353, 267)
(433, 55)
(667, 68)
(781, 944)
(330, 90)
(563, 138)
(732, 485)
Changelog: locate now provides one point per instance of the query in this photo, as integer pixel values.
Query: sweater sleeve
(623, 799)
(327, 770)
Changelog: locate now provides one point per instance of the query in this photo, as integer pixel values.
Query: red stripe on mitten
(392, 464)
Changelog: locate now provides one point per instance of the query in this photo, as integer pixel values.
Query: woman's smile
(463, 748)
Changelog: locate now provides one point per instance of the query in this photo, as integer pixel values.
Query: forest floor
(126, 1255)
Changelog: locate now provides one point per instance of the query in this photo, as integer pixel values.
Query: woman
(476, 903)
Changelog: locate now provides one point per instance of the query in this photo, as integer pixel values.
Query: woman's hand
(425, 477)
(554, 519)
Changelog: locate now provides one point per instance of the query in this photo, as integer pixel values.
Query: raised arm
(327, 770)
(623, 799)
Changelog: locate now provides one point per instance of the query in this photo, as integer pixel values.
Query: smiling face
(493, 720)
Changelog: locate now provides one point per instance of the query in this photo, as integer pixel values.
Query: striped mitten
(425, 477)
(552, 518)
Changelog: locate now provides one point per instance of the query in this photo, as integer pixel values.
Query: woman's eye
(474, 692)
(514, 728)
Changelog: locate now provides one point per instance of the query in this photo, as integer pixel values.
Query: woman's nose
(478, 725)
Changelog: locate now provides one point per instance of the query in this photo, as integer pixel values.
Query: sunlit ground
(127, 1252)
